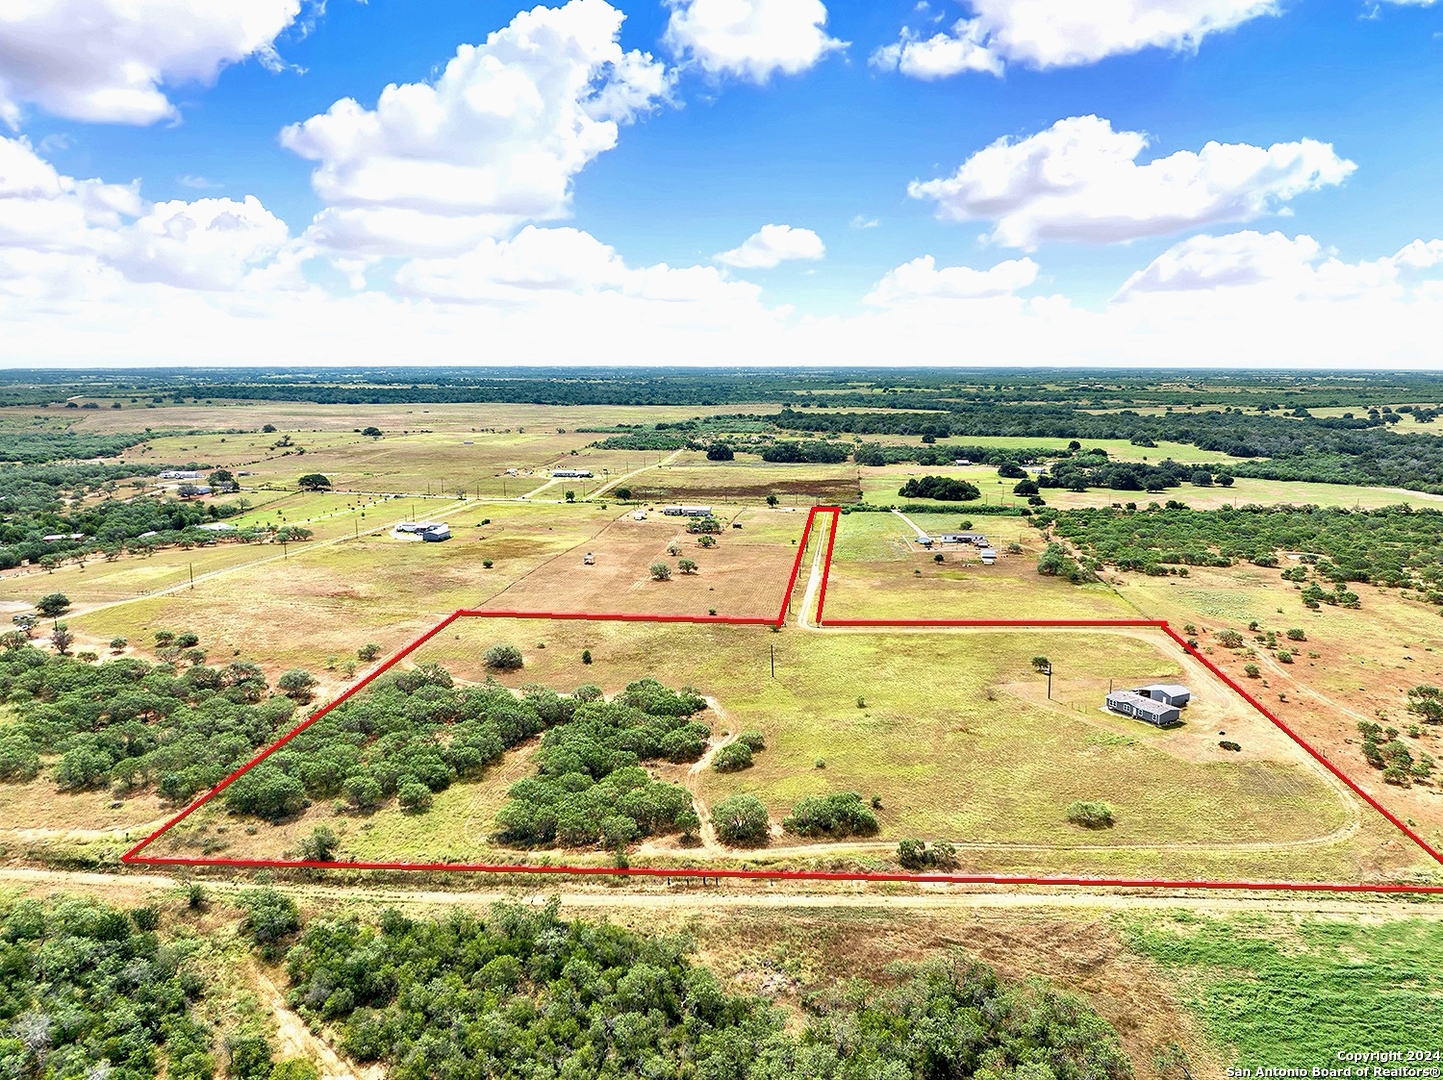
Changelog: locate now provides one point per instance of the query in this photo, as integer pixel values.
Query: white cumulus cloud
(1081, 180)
(750, 39)
(921, 279)
(1062, 33)
(1277, 267)
(771, 245)
(57, 232)
(108, 60)
(494, 142)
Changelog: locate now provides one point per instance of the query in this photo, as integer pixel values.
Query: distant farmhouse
(687, 511)
(571, 474)
(181, 474)
(431, 531)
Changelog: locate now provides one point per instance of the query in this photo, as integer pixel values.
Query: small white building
(571, 474)
(434, 534)
(638, 515)
(687, 511)
(588, 559)
(217, 526)
(181, 474)
(989, 556)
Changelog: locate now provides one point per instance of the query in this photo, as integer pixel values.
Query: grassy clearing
(877, 574)
(880, 485)
(1355, 664)
(1272, 992)
(952, 739)
(324, 601)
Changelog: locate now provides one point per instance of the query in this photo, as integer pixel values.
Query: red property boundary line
(134, 855)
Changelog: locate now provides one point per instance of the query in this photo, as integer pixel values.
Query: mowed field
(878, 572)
(954, 735)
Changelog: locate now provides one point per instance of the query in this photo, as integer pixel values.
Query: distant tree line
(1394, 546)
(1343, 450)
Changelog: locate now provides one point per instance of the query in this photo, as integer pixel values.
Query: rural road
(932, 898)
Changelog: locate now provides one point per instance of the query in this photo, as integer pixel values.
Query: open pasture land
(743, 574)
(1355, 665)
(879, 572)
(325, 600)
(880, 486)
(748, 479)
(433, 462)
(954, 735)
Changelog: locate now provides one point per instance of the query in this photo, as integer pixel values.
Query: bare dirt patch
(744, 575)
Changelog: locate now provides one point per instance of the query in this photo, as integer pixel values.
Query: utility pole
(1049, 682)
(192, 575)
(774, 661)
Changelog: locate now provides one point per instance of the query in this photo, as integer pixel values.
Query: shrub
(753, 740)
(368, 652)
(270, 917)
(1090, 815)
(488, 563)
(19, 759)
(1230, 639)
(586, 656)
(298, 684)
(186, 640)
(660, 571)
(1297, 633)
(1252, 670)
(52, 604)
(916, 855)
(741, 819)
(118, 644)
(320, 845)
(266, 792)
(842, 814)
(363, 791)
(1227, 744)
(250, 1057)
(503, 658)
(1285, 657)
(414, 797)
(733, 757)
(687, 566)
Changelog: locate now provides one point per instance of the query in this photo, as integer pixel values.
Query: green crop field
(1275, 992)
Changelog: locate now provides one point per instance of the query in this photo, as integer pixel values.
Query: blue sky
(797, 116)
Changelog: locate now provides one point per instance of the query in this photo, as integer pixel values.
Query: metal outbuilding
(1169, 693)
